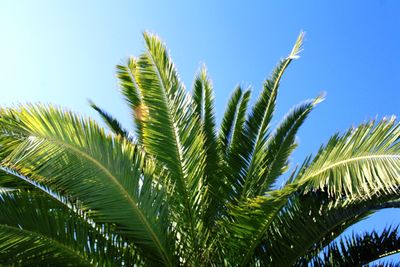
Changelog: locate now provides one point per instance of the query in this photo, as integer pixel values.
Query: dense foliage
(180, 192)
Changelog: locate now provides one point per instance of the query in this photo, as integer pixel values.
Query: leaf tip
(297, 48)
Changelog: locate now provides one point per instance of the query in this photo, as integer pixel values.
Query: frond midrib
(349, 160)
(177, 151)
(275, 156)
(263, 126)
(132, 203)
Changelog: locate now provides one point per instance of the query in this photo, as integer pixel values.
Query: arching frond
(11, 182)
(358, 164)
(110, 177)
(308, 223)
(249, 222)
(358, 250)
(35, 230)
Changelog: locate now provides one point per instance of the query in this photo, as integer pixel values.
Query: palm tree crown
(179, 192)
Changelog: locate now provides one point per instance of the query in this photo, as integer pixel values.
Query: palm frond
(38, 231)
(307, 223)
(279, 146)
(203, 98)
(379, 140)
(73, 194)
(172, 133)
(127, 81)
(357, 250)
(228, 121)
(358, 164)
(248, 223)
(233, 159)
(114, 125)
(70, 155)
(12, 182)
(258, 123)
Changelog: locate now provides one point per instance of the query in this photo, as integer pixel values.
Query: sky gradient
(65, 53)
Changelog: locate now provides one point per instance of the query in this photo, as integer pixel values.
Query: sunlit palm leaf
(228, 121)
(257, 126)
(184, 196)
(234, 161)
(129, 88)
(249, 222)
(172, 133)
(203, 98)
(274, 161)
(362, 162)
(109, 176)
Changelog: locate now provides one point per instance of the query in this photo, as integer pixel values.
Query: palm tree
(180, 193)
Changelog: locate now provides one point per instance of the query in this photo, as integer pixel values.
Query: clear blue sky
(65, 52)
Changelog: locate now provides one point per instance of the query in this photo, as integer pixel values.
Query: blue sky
(65, 52)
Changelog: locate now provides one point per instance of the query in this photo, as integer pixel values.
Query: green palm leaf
(233, 161)
(228, 121)
(73, 194)
(80, 156)
(172, 133)
(129, 88)
(203, 98)
(358, 250)
(11, 182)
(257, 125)
(308, 223)
(35, 230)
(379, 140)
(249, 222)
(278, 147)
(114, 125)
(360, 163)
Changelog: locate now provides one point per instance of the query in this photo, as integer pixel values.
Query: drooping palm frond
(172, 133)
(110, 177)
(358, 164)
(114, 125)
(35, 230)
(308, 223)
(387, 142)
(358, 250)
